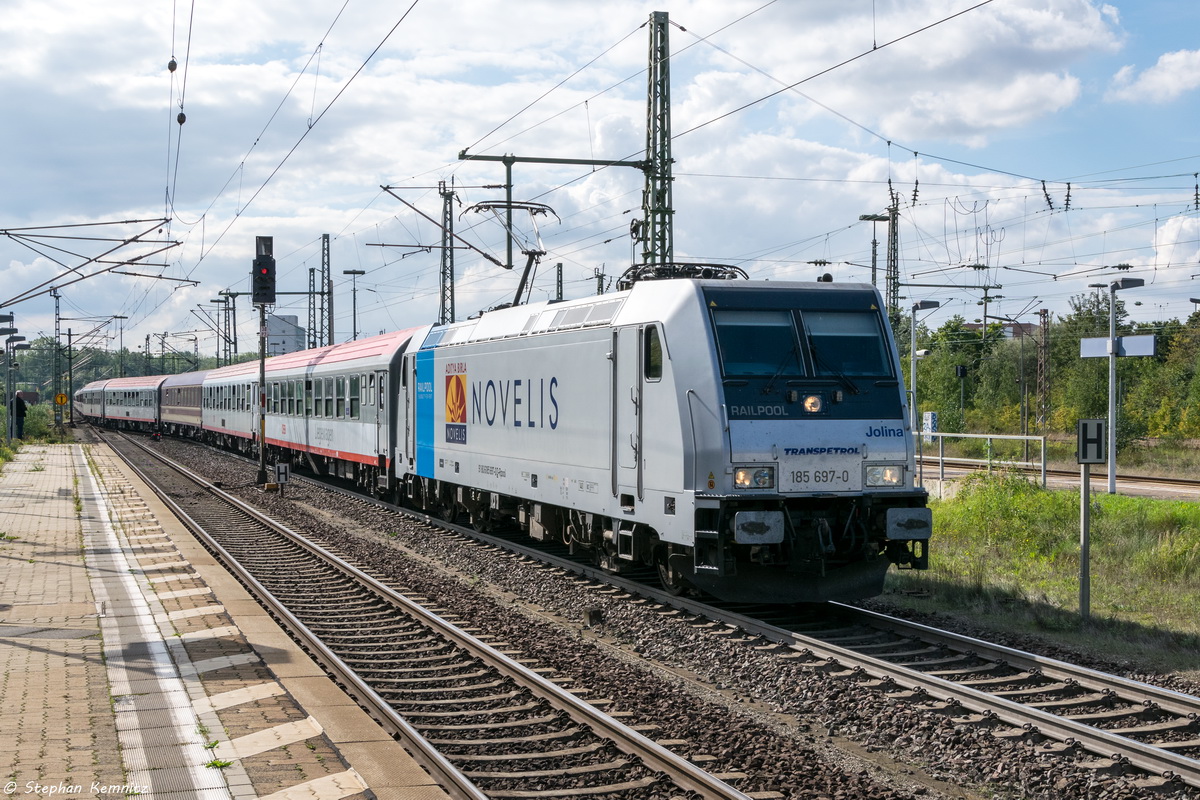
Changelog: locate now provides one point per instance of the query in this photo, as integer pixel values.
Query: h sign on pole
(1089, 449)
(1089, 441)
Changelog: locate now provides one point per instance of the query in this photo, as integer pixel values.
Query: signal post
(262, 290)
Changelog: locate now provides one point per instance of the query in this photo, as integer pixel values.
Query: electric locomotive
(748, 439)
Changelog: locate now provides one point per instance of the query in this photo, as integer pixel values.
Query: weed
(218, 763)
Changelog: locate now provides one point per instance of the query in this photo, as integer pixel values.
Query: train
(747, 439)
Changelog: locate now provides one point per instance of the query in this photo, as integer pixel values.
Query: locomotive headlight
(754, 478)
(812, 403)
(885, 475)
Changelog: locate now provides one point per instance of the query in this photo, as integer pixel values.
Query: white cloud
(1175, 74)
(91, 134)
(971, 111)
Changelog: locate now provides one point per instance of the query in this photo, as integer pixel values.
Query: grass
(1006, 556)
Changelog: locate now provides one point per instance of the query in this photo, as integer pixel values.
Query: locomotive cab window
(652, 361)
(847, 343)
(757, 342)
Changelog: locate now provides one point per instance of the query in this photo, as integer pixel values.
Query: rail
(989, 462)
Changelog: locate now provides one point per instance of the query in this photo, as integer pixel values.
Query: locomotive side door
(627, 415)
(405, 434)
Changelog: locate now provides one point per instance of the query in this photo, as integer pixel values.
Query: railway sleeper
(534, 754)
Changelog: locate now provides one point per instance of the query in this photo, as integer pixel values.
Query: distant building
(284, 335)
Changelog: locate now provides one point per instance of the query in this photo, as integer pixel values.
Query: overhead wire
(308, 129)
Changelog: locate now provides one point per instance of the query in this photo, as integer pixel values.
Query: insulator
(171, 65)
(182, 118)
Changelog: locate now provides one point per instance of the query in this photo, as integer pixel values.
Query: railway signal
(262, 289)
(262, 283)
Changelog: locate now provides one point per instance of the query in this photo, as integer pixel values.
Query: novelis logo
(456, 407)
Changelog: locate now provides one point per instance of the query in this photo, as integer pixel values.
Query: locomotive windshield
(846, 343)
(757, 342)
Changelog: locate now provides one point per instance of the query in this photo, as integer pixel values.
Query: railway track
(1119, 721)
(484, 724)
(1114, 725)
(1068, 708)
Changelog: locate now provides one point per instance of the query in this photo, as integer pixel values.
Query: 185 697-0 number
(811, 476)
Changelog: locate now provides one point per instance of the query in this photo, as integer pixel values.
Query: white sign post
(1089, 449)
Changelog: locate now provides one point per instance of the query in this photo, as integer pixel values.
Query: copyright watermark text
(65, 789)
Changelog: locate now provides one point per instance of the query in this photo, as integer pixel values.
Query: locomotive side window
(847, 343)
(757, 342)
(652, 360)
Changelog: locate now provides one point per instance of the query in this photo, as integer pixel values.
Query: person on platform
(19, 414)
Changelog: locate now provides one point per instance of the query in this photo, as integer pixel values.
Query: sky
(1029, 147)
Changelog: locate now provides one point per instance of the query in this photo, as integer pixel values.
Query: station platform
(135, 665)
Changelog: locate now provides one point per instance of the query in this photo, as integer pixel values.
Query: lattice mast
(658, 242)
(892, 278)
(1043, 373)
(446, 312)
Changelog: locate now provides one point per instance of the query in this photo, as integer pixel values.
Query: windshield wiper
(792, 355)
(823, 364)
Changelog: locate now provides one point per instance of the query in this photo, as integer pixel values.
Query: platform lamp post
(1113, 288)
(11, 345)
(6, 319)
(923, 305)
(874, 240)
(920, 305)
(354, 273)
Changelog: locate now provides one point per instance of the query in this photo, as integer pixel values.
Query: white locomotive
(748, 439)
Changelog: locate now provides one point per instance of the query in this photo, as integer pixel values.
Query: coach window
(339, 387)
(308, 397)
(319, 394)
(371, 389)
(653, 359)
(355, 388)
(328, 396)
